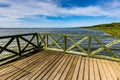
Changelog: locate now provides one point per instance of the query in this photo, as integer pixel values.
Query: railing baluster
(65, 43)
(37, 39)
(18, 46)
(46, 45)
(89, 45)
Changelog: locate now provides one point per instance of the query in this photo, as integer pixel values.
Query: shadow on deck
(51, 65)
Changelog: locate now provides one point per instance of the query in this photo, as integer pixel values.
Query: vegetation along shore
(112, 28)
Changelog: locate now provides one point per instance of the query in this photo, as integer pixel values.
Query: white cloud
(18, 10)
(23, 8)
(114, 4)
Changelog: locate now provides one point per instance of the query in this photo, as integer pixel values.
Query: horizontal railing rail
(107, 47)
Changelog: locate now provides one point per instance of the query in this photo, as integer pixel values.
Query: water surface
(13, 31)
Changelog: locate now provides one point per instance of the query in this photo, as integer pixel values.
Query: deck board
(81, 70)
(51, 65)
(76, 71)
(101, 70)
(48, 74)
(91, 73)
(59, 69)
(60, 73)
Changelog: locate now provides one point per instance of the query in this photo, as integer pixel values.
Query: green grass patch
(112, 31)
(112, 28)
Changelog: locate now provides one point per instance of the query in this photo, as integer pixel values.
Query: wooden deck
(50, 65)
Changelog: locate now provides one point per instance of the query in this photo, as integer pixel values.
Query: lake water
(4, 32)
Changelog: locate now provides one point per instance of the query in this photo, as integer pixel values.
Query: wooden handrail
(68, 43)
(52, 42)
(23, 43)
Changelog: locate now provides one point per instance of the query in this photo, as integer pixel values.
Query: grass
(111, 28)
(112, 31)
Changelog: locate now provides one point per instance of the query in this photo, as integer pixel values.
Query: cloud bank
(15, 10)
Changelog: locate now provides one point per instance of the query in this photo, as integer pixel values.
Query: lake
(13, 31)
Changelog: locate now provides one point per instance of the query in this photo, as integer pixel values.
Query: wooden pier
(59, 57)
(51, 65)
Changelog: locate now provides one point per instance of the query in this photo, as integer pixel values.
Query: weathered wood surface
(51, 65)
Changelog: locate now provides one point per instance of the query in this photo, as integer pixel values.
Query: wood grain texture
(51, 65)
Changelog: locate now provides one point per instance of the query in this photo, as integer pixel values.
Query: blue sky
(57, 13)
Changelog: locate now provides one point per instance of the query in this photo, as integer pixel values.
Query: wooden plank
(38, 66)
(81, 70)
(9, 73)
(86, 71)
(50, 69)
(76, 71)
(66, 70)
(116, 68)
(101, 70)
(111, 71)
(91, 67)
(61, 61)
(49, 64)
(30, 59)
(3, 76)
(72, 69)
(31, 67)
(106, 70)
(96, 69)
(6, 70)
(26, 60)
(20, 68)
(59, 69)
(53, 65)
(60, 73)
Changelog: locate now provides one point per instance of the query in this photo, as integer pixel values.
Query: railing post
(37, 40)
(18, 46)
(89, 46)
(46, 46)
(65, 43)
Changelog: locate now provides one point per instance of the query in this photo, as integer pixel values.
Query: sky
(57, 13)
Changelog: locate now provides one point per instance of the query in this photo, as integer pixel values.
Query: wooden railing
(17, 45)
(91, 46)
(87, 45)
